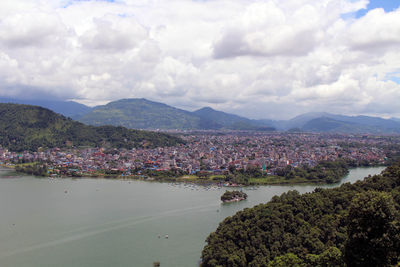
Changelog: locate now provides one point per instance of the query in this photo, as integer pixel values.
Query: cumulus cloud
(377, 30)
(31, 29)
(267, 29)
(262, 59)
(114, 34)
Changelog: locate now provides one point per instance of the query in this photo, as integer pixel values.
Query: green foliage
(24, 127)
(164, 174)
(325, 172)
(36, 168)
(286, 260)
(330, 257)
(312, 226)
(373, 230)
(141, 114)
(145, 114)
(232, 195)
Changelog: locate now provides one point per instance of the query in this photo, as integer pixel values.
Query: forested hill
(353, 225)
(140, 114)
(144, 114)
(24, 127)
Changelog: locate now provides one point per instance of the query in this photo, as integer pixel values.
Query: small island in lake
(230, 196)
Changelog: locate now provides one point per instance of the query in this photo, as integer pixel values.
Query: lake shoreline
(198, 181)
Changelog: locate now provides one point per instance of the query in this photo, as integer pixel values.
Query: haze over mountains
(66, 108)
(144, 114)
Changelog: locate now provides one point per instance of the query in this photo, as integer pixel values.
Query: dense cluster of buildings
(213, 153)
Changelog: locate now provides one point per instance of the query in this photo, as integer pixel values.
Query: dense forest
(352, 225)
(24, 127)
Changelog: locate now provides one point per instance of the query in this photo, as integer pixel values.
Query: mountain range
(140, 113)
(144, 114)
(326, 122)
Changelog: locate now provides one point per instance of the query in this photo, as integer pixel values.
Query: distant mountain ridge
(326, 122)
(231, 121)
(140, 113)
(67, 108)
(145, 114)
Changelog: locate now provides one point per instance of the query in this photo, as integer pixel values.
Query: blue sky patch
(387, 5)
(393, 76)
(395, 79)
(70, 2)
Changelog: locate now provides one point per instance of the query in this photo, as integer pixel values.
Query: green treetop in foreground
(373, 230)
(357, 224)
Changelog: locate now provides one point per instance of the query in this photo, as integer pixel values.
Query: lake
(99, 222)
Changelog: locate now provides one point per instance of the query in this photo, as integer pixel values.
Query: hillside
(24, 127)
(67, 108)
(145, 114)
(326, 122)
(231, 121)
(298, 121)
(355, 224)
(141, 114)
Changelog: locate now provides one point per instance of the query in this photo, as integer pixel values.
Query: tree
(330, 257)
(373, 230)
(288, 259)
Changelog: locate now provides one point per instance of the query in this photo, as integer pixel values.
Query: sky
(261, 59)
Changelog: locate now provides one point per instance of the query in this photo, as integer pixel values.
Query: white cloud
(377, 30)
(263, 58)
(266, 29)
(113, 34)
(31, 28)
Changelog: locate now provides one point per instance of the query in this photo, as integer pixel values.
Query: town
(213, 153)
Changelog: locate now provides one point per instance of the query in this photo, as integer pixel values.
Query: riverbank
(323, 173)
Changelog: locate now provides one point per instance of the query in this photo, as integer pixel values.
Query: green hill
(145, 114)
(326, 124)
(141, 114)
(24, 127)
(355, 224)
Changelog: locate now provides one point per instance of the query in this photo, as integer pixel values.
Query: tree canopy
(313, 229)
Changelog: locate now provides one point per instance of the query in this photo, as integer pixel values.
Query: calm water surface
(98, 222)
